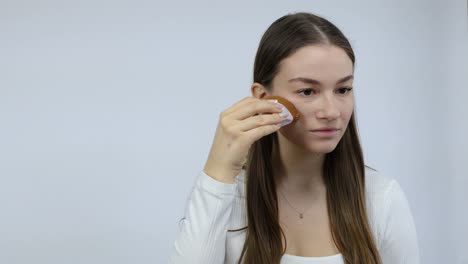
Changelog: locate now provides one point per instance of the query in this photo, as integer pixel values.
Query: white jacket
(214, 207)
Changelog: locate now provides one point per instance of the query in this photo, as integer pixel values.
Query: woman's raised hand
(238, 128)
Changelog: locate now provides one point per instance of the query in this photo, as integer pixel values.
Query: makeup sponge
(288, 108)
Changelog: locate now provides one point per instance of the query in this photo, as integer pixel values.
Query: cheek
(304, 107)
(348, 109)
(308, 108)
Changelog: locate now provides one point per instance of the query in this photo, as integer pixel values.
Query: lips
(324, 130)
(325, 133)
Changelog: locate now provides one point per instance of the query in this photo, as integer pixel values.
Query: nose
(327, 109)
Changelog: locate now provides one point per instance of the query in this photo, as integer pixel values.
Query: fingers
(249, 107)
(259, 132)
(258, 121)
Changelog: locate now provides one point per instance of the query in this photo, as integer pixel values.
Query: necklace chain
(301, 214)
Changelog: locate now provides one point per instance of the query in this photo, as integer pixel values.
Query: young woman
(299, 193)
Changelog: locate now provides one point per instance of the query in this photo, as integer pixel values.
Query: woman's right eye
(308, 90)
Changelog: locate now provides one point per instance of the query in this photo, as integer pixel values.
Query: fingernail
(279, 105)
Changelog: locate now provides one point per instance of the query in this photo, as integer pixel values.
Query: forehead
(323, 63)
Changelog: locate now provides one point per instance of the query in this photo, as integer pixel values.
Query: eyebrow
(315, 82)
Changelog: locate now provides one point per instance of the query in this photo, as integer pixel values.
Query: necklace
(301, 214)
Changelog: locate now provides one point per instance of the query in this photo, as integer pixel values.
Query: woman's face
(316, 79)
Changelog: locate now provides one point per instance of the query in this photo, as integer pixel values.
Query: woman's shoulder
(381, 191)
(378, 188)
(377, 182)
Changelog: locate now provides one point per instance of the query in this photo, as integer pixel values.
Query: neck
(296, 169)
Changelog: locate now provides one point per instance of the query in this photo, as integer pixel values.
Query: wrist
(220, 174)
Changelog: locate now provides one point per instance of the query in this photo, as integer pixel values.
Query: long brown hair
(343, 168)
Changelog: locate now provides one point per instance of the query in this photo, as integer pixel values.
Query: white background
(108, 110)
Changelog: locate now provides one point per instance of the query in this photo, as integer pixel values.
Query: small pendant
(301, 216)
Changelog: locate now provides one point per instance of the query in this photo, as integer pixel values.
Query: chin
(322, 147)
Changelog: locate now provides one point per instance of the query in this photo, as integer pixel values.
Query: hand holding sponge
(288, 108)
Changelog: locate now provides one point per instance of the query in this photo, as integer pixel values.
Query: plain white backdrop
(108, 110)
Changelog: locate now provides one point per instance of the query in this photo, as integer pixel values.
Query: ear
(258, 90)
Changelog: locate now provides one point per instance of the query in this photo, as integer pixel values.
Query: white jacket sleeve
(202, 235)
(400, 243)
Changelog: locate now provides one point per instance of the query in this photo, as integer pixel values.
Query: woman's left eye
(345, 90)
